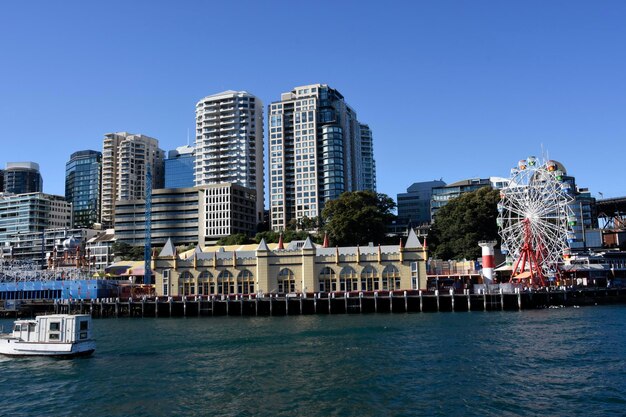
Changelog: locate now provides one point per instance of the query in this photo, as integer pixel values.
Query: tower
(229, 143)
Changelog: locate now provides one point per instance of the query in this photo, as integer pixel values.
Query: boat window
(31, 327)
(83, 335)
(54, 336)
(17, 328)
(84, 325)
(55, 326)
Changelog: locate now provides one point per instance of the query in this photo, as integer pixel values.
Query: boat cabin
(57, 328)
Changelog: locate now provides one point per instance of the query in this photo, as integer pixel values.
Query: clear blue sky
(451, 89)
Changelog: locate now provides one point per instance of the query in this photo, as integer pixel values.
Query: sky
(451, 89)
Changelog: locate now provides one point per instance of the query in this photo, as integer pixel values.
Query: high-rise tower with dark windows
(82, 187)
(316, 152)
(22, 178)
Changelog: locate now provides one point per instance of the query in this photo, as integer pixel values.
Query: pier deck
(320, 303)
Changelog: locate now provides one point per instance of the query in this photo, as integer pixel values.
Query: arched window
(391, 278)
(327, 280)
(348, 279)
(206, 283)
(225, 283)
(369, 279)
(245, 282)
(186, 283)
(286, 281)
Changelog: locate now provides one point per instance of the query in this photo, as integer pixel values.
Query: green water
(558, 362)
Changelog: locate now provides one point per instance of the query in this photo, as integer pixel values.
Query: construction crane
(147, 251)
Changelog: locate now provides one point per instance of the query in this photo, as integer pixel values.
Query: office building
(82, 187)
(179, 167)
(1, 180)
(442, 194)
(316, 152)
(300, 267)
(126, 158)
(229, 143)
(22, 178)
(414, 205)
(196, 215)
(174, 215)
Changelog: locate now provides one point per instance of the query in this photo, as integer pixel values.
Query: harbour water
(556, 362)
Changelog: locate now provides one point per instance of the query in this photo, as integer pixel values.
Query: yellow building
(301, 266)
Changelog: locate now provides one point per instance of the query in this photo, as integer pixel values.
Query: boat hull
(13, 347)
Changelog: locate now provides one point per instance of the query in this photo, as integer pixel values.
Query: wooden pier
(322, 303)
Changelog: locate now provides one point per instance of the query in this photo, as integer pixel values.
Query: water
(557, 362)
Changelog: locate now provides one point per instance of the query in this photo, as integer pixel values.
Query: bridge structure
(612, 213)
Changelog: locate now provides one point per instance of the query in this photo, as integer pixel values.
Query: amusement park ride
(535, 219)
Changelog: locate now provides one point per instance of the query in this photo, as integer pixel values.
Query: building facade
(188, 216)
(126, 158)
(226, 209)
(302, 267)
(179, 167)
(316, 152)
(443, 194)
(368, 163)
(22, 214)
(100, 250)
(1, 180)
(174, 215)
(414, 205)
(229, 143)
(22, 178)
(82, 187)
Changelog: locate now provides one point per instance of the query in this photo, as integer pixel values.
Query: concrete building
(414, 205)
(22, 178)
(179, 167)
(188, 215)
(82, 187)
(229, 143)
(300, 267)
(368, 163)
(1, 180)
(316, 152)
(126, 158)
(226, 209)
(28, 245)
(174, 215)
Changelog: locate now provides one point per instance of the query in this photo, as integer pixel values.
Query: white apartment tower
(229, 143)
(315, 152)
(125, 161)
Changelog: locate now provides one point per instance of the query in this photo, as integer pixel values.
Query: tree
(462, 223)
(236, 239)
(126, 252)
(358, 217)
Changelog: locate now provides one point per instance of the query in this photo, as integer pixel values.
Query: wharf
(321, 303)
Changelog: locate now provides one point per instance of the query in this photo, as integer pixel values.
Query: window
(327, 280)
(84, 325)
(348, 279)
(55, 326)
(286, 281)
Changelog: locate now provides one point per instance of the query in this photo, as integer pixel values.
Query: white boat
(59, 335)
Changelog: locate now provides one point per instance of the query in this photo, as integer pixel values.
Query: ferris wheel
(534, 219)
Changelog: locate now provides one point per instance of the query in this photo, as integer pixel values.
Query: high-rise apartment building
(316, 152)
(179, 167)
(368, 164)
(1, 180)
(229, 143)
(82, 187)
(22, 178)
(126, 158)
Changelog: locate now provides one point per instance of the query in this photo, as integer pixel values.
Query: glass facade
(179, 170)
(22, 178)
(82, 187)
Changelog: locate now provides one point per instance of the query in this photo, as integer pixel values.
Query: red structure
(531, 257)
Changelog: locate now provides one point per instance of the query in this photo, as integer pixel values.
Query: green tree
(462, 223)
(236, 239)
(358, 217)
